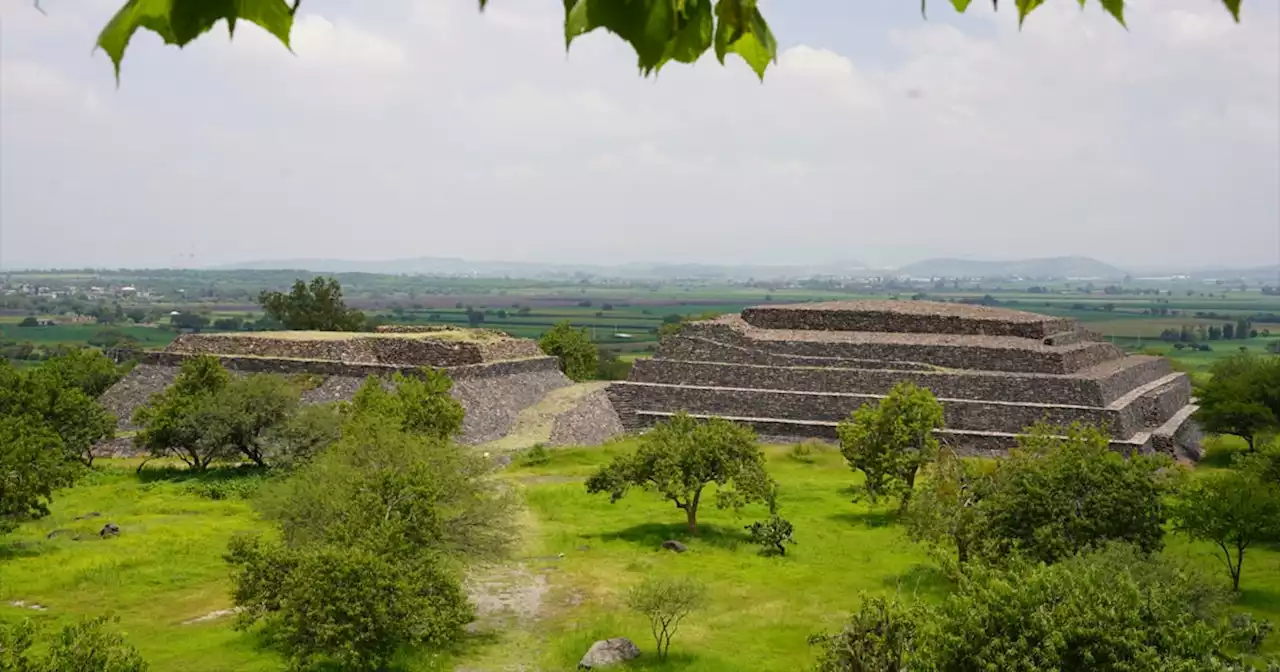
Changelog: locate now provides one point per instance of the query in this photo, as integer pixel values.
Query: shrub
(88, 645)
(801, 452)
(666, 602)
(771, 534)
(346, 607)
(879, 637)
(420, 405)
(535, 455)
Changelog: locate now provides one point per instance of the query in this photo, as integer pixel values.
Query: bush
(666, 603)
(345, 607)
(1112, 610)
(87, 645)
(890, 440)
(536, 455)
(420, 405)
(802, 452)
(771, 534)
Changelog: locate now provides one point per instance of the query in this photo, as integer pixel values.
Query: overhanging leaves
(658, 30)
(741, 29)
(181, 21)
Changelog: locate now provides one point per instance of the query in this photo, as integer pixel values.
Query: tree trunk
(1235, 573)
(1249, 440)
(691, 511)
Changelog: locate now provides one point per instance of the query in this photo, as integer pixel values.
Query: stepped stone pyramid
(797, 370)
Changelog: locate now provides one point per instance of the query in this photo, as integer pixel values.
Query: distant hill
(1051, 267)
(449, 266)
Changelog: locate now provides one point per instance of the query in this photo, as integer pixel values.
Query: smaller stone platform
(913, 317)
(435, 347)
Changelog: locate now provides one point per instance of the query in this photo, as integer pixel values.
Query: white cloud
(425, 127)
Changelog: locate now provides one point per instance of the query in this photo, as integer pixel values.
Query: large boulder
(673, 545)
(609, 652)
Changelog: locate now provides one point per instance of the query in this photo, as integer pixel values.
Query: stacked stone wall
(692, 348)
(1031, 357)
(974, 415)
(907, 317)
(356, 349)
(993, 386)
(250, 364)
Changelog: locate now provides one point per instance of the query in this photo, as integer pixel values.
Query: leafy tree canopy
(317, 306)
(393, 491)
(331, 607)
(418, 404)
(32, 466)
(87, 645)
(1234, 510)
(660, 31)
(574, 348)
(1111, 610)
(890, 440)
(679, 458)
(55, 397)
(1242, 397)
(1063, 490)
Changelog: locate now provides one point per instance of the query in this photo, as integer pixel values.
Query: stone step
(1097, 386)
(985, 353)
(960, 414)
(965, 442)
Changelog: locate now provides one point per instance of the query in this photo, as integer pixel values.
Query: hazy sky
(424, 128)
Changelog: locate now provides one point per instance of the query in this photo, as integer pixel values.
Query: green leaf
(960, 5)
(1025, 7)
(1115, 8)
(1233, 6)
(647, 25)
(741, 29)
(693, 36)
(181, 21)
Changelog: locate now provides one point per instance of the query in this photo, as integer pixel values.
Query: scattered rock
(55, 533)
(24, 605)
(584, 548)
(673, 545)
(109, 530)
(609, 652)
(91, 514)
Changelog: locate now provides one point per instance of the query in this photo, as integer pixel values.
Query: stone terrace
(797, 370)
(438, 347)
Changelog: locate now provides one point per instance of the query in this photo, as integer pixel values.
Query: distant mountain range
(1048, 268)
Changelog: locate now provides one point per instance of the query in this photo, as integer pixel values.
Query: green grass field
(165, 569)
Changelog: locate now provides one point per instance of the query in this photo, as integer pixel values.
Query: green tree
(316, 307)
(239, 416)
(574, 349)
(79, 420)
(1063, 490)
(879, 637)
(172, 420)
(666, 602)
(890, 440)
(87, 645)
(610, 367)
(660, 31)
(350, 608)
(86, 369)
(1242, 397)
(1234, 510)
(391, 491)
(679, 458)
(945, 511)
(29, 321)
(1114, 610)
(303, 435)
(419, 404)
(32, 466)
